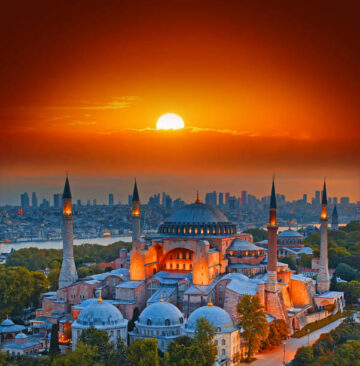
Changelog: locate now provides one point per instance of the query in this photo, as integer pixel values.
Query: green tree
(53, 278)
(204, 340)
(345, 272)
(290, 261)
(143, 352)
(134, 318)
(179, 351)
(348, 354)
(252, 319)
(100, 339)
(351, 290)
(304, 260)
(41, 284)
(258, 234)
(54, 340)
(82, 356)
(304, 356)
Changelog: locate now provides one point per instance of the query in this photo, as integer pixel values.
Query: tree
(41, 284)
(82, 356)
(134, 318)
(348, 354)
(54, 340)
(252, 319)
(351, 290)
(143, 352)
(304, 356)
(345, 272)
(304, 260)
(117, 357)
(258, 234)
(204, 340)
(278, 331)
(53, 278)
(290, 261)
(100, 339)
(179, 351)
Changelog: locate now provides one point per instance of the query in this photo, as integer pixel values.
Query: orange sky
(263, 87)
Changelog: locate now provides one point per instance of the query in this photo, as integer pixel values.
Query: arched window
(167, 321)
(223, 342)
(148, 322)
(218, 329)
(184, 254)
(181, 320)
(216, 342)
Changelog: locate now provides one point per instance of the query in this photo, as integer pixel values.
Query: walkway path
(276, 356)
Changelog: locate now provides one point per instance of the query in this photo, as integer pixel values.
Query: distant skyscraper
(94, 202)
(130, 198)
(317, 198)
(345, 201)
(305, 198)
(335, 200)
(78, 203)
(221, 199)
(111, 199)
(334, 219)
(24, 201)
(34, 200)
(57, 201)
(243, 199)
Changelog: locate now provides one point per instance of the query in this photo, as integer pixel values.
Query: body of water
(58, 244)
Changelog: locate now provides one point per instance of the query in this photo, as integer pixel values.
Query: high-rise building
(317, 198)
(24, 198)
(305, 198)
(78, 203)
(111, 199)
(243, 199)
(221, 199)
(34, 200)
(94, 202)
(335, 200)
(345, 201)
(130, 199)
(57, 201)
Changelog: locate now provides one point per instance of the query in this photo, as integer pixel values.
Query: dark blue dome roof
(197, 213)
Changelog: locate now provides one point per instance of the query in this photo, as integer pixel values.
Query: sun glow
(169, 121)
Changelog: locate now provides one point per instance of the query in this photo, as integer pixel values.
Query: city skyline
(124, 196)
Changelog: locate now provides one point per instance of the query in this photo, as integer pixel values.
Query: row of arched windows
(190, 229)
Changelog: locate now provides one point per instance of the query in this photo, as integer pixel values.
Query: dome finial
(161, 298)
(197, 197)
(100, 298)
(210, 303)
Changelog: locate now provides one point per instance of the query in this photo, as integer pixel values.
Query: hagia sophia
(196, 265)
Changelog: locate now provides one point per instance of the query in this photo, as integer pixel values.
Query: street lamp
(284, 361)
(308, 332)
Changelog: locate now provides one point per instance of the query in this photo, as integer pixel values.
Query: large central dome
(198, 213)
(197, 219)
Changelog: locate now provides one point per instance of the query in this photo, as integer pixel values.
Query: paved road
(276, 356)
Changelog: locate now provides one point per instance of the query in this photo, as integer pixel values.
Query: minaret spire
(68, 274)
(272, 243)
(197, 197)
(323, 279)
(136, 216)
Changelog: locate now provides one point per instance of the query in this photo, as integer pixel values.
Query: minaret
(68, 274)
(335, 219)
(272, 227)
(136, 217)
(323, 279)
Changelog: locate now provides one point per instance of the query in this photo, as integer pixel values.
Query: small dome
(241, 244)
(100, 313)
(197, 213)
(161, 313)
(7, 322)
(289, 232)
(21, 336)
(218, 317)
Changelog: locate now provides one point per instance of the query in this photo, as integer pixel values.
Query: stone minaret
(68, 274)
(335, 219)
(272, 227)
(136, 217)
(323, 279)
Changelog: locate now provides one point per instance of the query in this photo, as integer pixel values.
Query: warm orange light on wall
(67, 209)
(136, 212)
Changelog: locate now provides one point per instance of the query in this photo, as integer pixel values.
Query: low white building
(160, 320)
(22, 345)
(100, 315)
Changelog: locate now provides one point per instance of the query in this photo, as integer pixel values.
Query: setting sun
(169, 121)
